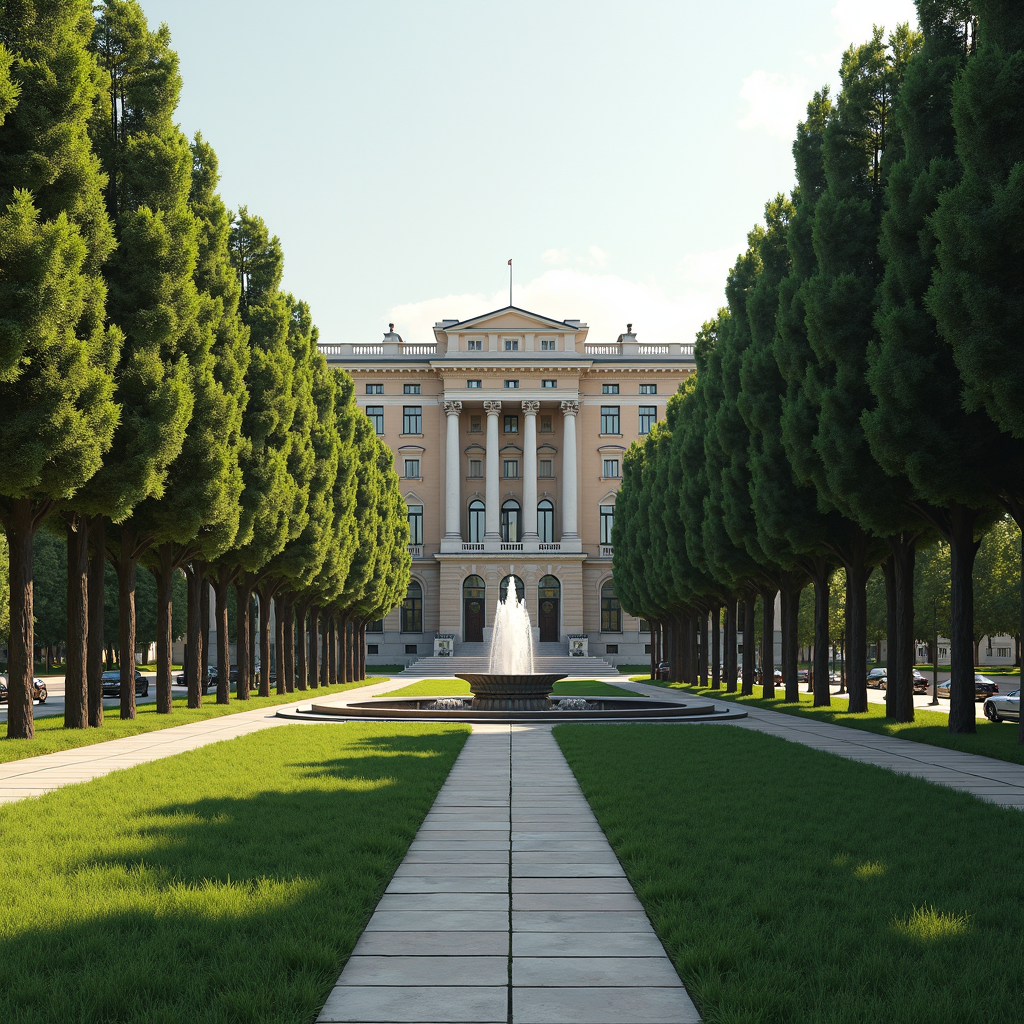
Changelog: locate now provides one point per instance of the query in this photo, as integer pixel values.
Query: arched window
(520, 588)
(611, 612)
(511, 523)
(473, 586)
(412, 609)
(546, 521)
(549, 587)
(476, 521)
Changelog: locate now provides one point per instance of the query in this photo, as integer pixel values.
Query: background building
(508, 432)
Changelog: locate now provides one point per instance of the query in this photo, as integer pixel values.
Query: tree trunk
(76, 683)
(313, 641)
(324, 649)
(126, 562)
(705, 668)
(716, 647)
(301, 646)
(819, 672)
(334, 654)
(749, 655)
(791, 640)
(768, 644)
(730, 645)
(889, 571)
(21, 529)
(963, 548)
(243, 613)
(94, 649)
(194, 657)
(164, 576)
(288, 651)
(361, 649)
(281, 682)
(855, 655)
(221, 583)
(264, 599)
(204, 627)
(900, 671)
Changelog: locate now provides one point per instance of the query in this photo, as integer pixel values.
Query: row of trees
(859, 396)
(163, 397)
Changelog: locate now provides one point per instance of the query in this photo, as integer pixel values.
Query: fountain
(510, 684)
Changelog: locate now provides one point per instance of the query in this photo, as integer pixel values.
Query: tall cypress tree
(56, 355)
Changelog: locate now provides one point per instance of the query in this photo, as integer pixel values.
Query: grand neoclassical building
(508, 432)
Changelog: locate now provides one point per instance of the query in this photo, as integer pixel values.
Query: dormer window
(475, 345)
(547, 344)
(511, 344)
(511, 383)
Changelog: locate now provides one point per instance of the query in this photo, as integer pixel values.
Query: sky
(404, 151)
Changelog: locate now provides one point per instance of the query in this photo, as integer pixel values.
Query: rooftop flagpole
(510, 282)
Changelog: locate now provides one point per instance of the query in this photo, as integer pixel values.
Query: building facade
(508, 432)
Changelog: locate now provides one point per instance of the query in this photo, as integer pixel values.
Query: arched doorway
(511, 524)
(520, 588)
(549, 593)
(473, 594)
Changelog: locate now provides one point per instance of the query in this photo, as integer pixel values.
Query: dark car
(920, 683)
(663, 671)
(38, 690)
(112, 683)
(983, 687)
(878, 677)
(998, 709)
(211, 677)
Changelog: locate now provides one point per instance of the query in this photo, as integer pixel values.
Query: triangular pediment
(512, 318)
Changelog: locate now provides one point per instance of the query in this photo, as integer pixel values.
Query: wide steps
(462, 663)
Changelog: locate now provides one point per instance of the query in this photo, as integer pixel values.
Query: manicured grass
(385, 670)
(460, 688)
(222, 885)
(789, 885)
(993, 739)
(51, 735)
(628, 670)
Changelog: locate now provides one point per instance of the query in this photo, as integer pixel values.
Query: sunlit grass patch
(51, 736)
(782, 879)
(228, 883)
(460, 688)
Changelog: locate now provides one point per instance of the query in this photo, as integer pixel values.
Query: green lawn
(460, 688)
(789, 885)
(223, 885)
(993, 739)
(52, 736)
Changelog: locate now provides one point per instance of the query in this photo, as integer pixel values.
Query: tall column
(452, 490)
(492, 513)
(530, 471)
(569, 412)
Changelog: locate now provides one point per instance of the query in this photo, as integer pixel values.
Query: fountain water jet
(510, 683)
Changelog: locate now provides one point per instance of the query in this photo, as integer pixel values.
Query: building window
(375, 389)
(547, 344)
(549, 383)
(519, 585)
(611, 468)
(647, 648)
(411, 649)
(609, 389)
(475, 345)
(371, 648)
(511, 344)
(648, 389)
(377, 626)
(376, 414)
(610, 419)
(476, 424)
(473, 384)
(412, 419)
(476, 521)
(511, 469)
(412, 469)
(415, 517)
(611, 649)
(511, 525)
(645, 626)
(545, 425)
(1002, 652)
(545, 468)
(476, 468)
(943, 653)
(410, 389)
(412, 611)
(607, 521)
(546, 521)
(511, 424)
(511, 384)
(648, 414)
(611, 612)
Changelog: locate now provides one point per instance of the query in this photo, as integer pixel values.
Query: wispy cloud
(775, 102)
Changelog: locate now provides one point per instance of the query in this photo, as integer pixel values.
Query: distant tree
(997, 590)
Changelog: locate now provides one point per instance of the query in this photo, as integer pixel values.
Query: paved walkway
(509, 907)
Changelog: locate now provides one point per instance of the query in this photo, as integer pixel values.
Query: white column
(452, 474)
(492, 513)
(569, 412)
(530, 471)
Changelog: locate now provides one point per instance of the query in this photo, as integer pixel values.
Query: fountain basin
(510, 692)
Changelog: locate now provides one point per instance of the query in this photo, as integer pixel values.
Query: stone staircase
(549, 657)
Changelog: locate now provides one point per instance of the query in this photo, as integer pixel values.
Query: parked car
(211, 675)
(998, 709)
(920, 683)
(112, 683)
(983, 687)
(38, 690)
(878, 678)
(663, 671)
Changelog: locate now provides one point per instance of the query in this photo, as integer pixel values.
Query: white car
(1003, 707)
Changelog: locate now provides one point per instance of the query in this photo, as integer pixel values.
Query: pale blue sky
(403, 151)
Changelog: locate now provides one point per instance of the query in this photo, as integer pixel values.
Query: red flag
(510, 263)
